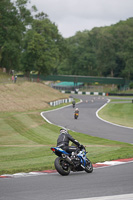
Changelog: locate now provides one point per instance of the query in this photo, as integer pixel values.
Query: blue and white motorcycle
(66, 162)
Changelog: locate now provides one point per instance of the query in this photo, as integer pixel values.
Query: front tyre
(89, 166)
(60, 166)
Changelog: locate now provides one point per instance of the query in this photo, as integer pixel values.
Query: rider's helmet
(63, 131)
(76, 109)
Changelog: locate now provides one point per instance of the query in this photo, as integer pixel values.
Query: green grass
(118, 113)
(5, 78)
(119, 100)
(25, 141)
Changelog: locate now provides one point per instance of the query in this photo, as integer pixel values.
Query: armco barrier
(85, 93)
(58, 102)
(96, 93)
(117, 94)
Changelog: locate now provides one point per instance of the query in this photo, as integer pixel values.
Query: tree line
(30, 41)
(104, 51)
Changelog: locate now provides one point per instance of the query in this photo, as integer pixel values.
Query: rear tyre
(75, 116)
(89, 166)
(62, 169)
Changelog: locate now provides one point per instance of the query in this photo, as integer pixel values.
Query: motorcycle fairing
(58, 151)
(82, 156)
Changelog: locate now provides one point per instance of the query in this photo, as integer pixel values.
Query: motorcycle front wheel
(61, 166)
(89, 166)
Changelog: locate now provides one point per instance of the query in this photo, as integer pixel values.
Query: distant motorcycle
(76, 115)
(73, 103)
(66, 162)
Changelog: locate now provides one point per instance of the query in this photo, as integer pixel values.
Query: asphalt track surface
(110, 183)
(88, 122)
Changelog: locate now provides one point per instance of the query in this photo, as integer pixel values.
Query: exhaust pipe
(67, 158)
(82, 166)
(64, 156)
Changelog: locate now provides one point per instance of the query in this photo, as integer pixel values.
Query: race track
(109, 181)
(88, 122)
(103, 182)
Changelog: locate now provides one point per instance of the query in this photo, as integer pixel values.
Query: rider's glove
(81, 146)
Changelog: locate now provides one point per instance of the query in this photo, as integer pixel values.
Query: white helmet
(63, 131)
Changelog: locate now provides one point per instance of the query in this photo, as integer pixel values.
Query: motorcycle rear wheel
(59, 167)
(75, 116)
(89, 166)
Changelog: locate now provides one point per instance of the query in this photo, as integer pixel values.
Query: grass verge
(118, 113)
(25, 141)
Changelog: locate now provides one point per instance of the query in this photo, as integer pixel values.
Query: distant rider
(63, 141)
(73, 103)
(77, 110)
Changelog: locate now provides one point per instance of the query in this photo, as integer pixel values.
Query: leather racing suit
(63, 142)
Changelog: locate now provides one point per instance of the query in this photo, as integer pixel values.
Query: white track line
(108, 121)
(55, 110)
(114, 197)
(96, 166)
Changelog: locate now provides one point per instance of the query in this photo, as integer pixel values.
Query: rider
(73, 103)
(77, 110)
(63, 141)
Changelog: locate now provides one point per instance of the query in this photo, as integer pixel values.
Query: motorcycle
(76, 115)
(75, 161)
(73, 105)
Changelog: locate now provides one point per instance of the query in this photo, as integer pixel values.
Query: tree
(104, 51)
(80, 60)
(9, 34)
(107, 55)
(13, 21)
(41, 46)
(128, 55)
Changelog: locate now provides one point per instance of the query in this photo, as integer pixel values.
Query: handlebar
(81, 147)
